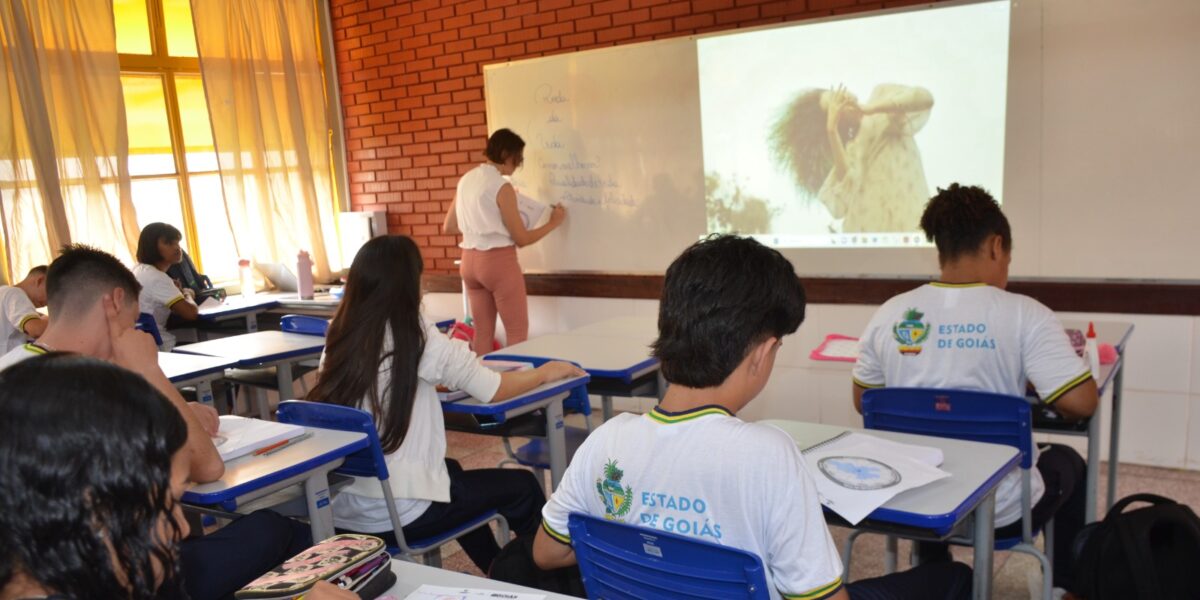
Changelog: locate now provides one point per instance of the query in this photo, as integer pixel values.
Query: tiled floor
(1016, 574)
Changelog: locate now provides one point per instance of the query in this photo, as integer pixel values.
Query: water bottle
(1092, 349)
(247, 279)
(304, 277)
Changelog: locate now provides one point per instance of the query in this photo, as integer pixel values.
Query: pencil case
(351, 561)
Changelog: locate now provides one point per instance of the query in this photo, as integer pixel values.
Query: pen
(277, 446)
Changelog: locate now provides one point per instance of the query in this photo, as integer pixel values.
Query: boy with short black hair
(691, 467)
(18, 310)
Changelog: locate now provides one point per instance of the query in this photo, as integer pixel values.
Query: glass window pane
(133, 26)
(197, 133)
(212, 228)
(181, 37)
(157, 201)
(149, 134)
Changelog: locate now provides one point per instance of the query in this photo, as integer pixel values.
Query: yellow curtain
(64, 172)
(260, 61)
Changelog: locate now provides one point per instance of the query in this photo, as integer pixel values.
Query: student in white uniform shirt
(486, 212)
(158, 249)
(691, 467)
(18, 308)
(965, 331)
(382, 356)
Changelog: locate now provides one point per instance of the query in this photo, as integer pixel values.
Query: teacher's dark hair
(383, 294)
(960, 218)
(147, 248)
(720, 297)
(85, 465)
(504, 144)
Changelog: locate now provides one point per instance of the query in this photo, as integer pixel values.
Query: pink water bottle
(304, 276)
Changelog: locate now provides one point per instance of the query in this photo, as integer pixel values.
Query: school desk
(325, 305)
(194, 369)
(237, 307)
(620, 365)
(263, 349)
(548, 397)
(410, 576)
(942, 508)
(306, 462)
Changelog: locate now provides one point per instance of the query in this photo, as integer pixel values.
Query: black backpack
(1149, 553)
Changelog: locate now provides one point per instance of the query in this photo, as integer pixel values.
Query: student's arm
(511, 215)
(858, 394)
(549, 553)
(515, 383)
(452, 363)
(868, 370)
(450, 223)
(135, 350)
(1062, 378)
(1079, 402)
(184, 309)
(34, 327)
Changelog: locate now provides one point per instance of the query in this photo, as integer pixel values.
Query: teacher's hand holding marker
(487, 212)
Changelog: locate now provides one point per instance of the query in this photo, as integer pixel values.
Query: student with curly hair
(981, 337)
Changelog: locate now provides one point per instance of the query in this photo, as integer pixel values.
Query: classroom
(977, 200)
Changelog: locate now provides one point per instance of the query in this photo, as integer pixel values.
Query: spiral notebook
(239, 436)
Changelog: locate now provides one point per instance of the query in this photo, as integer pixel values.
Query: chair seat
(537, 452)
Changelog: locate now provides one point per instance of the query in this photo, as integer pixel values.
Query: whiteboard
(614, 136)
(1101, 158)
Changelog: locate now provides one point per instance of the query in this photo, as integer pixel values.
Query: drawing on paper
(858, 472)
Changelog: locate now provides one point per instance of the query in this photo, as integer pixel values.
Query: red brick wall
(412, 81)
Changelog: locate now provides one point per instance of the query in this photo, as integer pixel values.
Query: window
(172, 161)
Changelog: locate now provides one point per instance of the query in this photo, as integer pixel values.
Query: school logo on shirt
(911, 332)
(617, 500)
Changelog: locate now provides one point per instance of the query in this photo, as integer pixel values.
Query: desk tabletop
(258, 347)
(236, 305)
(410, 576)
(1116, 333)
(608, 357)
(181, 367)
(644, 329)
(248, 473)
(537, 394)
(974, 469)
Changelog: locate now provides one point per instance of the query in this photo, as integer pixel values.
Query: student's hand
(323, 590)
(558, 214)
(132, 349)
(189, 294)
(208, 417)
(555, 370)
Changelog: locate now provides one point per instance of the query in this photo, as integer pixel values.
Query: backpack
(515, 565)
(1148, 553)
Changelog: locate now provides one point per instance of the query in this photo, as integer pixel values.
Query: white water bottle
(304, 277)
(1092, 349)
(247, 279)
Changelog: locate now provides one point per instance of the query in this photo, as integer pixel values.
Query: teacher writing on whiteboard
(485, 212)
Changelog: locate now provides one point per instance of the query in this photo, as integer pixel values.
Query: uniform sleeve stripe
(558, 537)
(824, 591)
(27, 318)
(863, 384)
(174, 301)
(1070, 385)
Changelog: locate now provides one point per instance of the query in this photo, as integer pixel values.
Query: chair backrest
(367, 462)
(305, 324)
(958, 414)
(577, 401)
(625, 561)
(145, 322)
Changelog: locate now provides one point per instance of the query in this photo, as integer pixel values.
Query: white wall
(1160, 422)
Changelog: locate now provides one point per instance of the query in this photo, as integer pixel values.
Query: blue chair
(620, 561)
(972, 416)
(145, 322)
(536, 453)
(304, 324)
(369, 462)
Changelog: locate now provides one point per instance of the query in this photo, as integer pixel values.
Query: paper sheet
(239, 436)
(857, 476)
(436, 592)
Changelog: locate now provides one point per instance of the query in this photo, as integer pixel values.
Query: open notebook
(857, 473)
(239, 436)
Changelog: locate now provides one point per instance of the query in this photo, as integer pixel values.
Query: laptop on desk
(281, 276)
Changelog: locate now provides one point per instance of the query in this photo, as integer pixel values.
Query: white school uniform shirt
(417, 469)
(478, 212)
(158, 295)
(706, 474)
(972, 337)
(16, 309)
(20, 353)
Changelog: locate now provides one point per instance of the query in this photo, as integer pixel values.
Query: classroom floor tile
(1017, 576)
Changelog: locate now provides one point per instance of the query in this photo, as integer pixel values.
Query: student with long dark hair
(158, 249)
(93, 462)
(990, 340)
(383, 356)
(485, 211)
